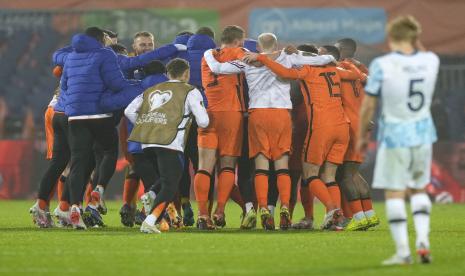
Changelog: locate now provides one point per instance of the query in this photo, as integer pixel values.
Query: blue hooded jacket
(251, 45)
(180, 39)
(127, 64)
(196, 46)
(149, 81)
(111, 102)
(89, 70)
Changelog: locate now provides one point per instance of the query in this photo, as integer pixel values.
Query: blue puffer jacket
(116, 101)
(251, 45)
(196, 46)
(127, 64)
(60, 55)
(149, 81)
(180, 39)
(89, 70)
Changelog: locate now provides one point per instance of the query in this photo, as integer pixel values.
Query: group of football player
(257, 121)
(276, 120)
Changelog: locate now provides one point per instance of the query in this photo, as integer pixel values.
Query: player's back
(408, 83)
(322, 90)
(224, 92)
(266, 90)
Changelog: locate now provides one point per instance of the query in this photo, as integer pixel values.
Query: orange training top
(224, 92)
(352, 94)
(321, 89)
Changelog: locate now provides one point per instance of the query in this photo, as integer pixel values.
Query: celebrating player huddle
(294, 112)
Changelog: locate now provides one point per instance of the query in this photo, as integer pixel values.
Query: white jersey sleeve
(54, 101)
(300, 60)
(195, 105)
(232, 67)
(132, 109)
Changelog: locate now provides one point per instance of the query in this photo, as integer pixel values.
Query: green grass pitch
(116, 250)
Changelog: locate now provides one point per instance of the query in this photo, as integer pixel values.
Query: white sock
(369, 213)
(150, 220)
(397, 216)
(271, 208)
(421, 209)
(359, 216)
(248, 206)
(100, 189)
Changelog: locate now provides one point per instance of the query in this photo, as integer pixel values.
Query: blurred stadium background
(30, 31)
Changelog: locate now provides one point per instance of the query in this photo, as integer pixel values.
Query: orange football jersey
(224, 92)
(352, 95)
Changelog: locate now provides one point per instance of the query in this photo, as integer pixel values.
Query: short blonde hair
(144, 34)
(404, 28)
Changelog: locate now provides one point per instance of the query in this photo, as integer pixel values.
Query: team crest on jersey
(159, 98)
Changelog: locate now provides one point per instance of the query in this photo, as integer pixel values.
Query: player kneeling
(162, 116)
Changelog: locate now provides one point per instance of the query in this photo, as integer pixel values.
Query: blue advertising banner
(365, 25)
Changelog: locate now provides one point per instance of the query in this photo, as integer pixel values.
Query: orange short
(352, 154)
(224, 133)
(328, 143)
(270, 132)
(49, 131)
(299, 130)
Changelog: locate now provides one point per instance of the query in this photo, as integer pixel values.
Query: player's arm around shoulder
(298, 59)
(233, 67)
(349, 71)
(277, 68)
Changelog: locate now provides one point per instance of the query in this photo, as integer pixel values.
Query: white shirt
(405, 85)
(193, 105)
(266, 90)
(54, 101)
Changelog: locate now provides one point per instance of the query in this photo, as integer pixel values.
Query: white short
(401, 168)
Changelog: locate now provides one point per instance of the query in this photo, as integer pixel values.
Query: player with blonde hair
(404, 82)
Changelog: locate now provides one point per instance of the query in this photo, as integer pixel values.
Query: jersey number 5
(416, 92)
(331, 83)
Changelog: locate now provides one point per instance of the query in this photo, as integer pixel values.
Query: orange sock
(225, 185)
(89, 189)
(42, 204)
(284, 187)
(335, 193)
(346, 207)
(319, 189)
(261, 188)
(367, 204)
(129, 190)
(306, 197)
(356, 206)
(201, 189)
(159, 209)
(64, 206)
(61, 187)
